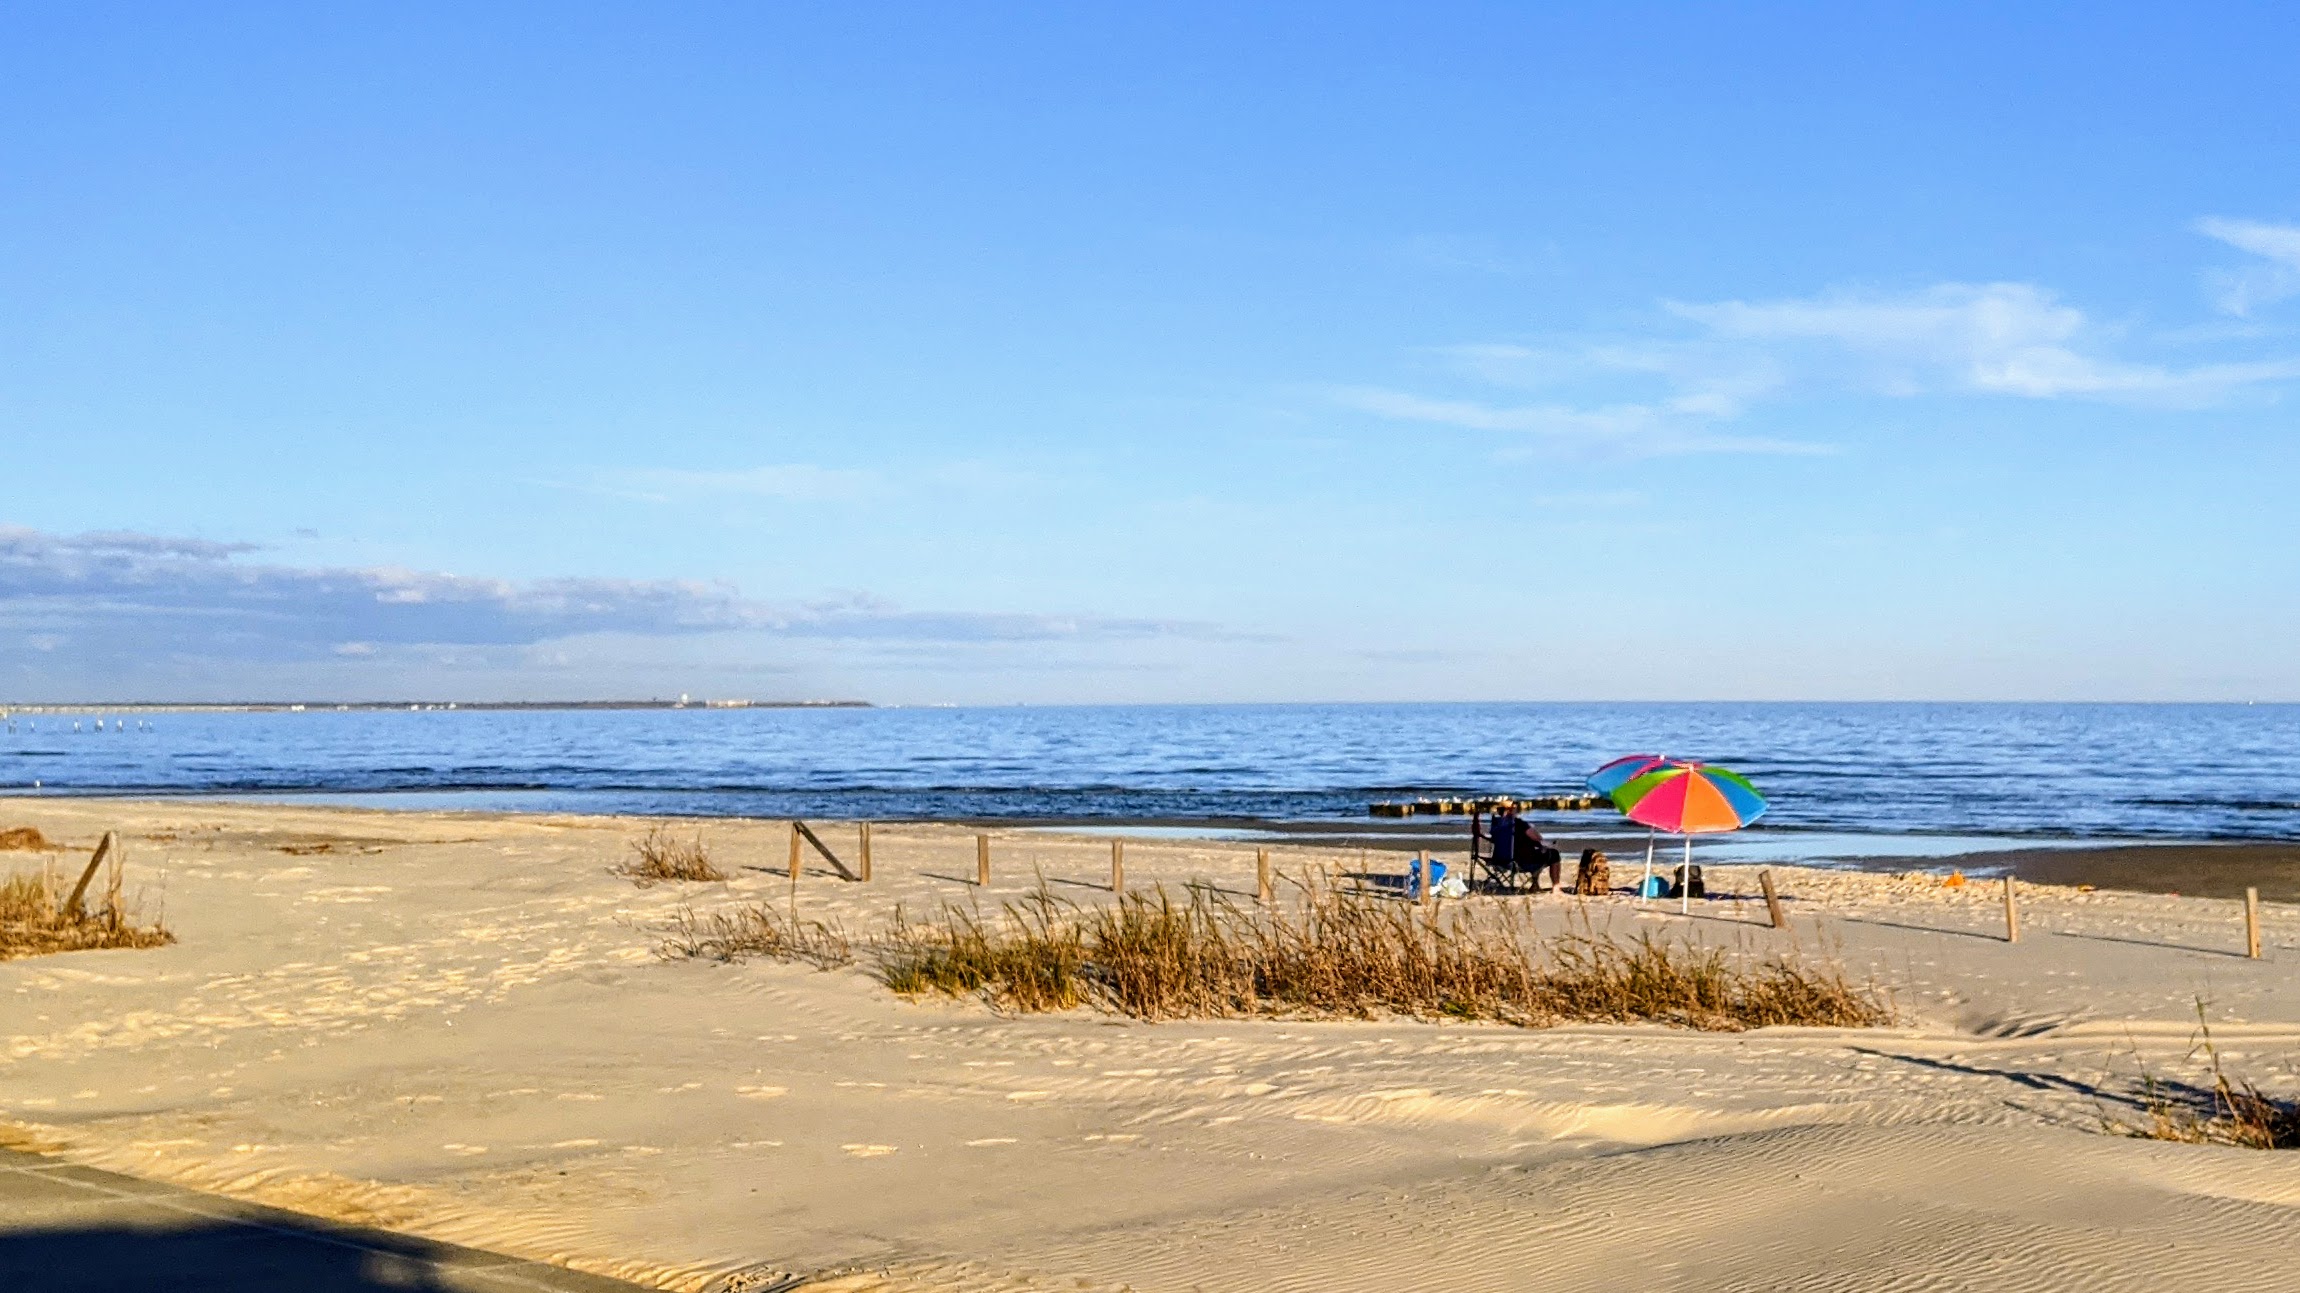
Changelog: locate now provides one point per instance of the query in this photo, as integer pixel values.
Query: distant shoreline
(300, 706)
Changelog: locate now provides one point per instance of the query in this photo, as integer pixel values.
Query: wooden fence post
(1262, 875)
(1422, 864)
(863, 863)
(104, 849)
(1118, 866)
(801, 831)
(982, 861)
(2252, 923)
(2012, 914)
(1772, 899)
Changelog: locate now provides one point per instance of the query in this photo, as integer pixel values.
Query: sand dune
(457, 1024)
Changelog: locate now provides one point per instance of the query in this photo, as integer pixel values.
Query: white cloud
(2241, 290)
(1991, 338)
(802, 482)
(1709, 364)
(133, 597)
(1701, 376)
(1625, 430)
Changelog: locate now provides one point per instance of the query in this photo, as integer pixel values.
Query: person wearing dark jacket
(1505, 829)
(1537, 856)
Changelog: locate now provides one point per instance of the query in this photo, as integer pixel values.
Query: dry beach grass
(659, 857)
(2218, 1110)
(1333, 953)
(34, 921)
(755, 929)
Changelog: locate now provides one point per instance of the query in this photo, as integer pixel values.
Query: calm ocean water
(2159, 771)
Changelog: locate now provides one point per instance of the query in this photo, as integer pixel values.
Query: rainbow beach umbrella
(1628, 767)
(1689, 799)
(1684, 798)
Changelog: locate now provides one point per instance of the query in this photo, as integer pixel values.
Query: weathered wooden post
(794, 851)
(1118, 866)
(2012, 914)
(2252, 923)
(1772, 898)
(104, 849)
(863, 863)
(1422, 865)
(982, 861)
(1262, 876)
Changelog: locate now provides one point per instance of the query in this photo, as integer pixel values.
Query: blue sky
(1087, 353)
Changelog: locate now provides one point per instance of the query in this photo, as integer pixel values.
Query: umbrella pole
(1646, 883)
(1685, 886)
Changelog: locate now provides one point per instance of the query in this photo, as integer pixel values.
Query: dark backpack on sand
(1689, 886)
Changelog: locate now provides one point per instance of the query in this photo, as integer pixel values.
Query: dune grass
(658, 857)
(24, 839)
(756, 929)
(1033, 958)
(2226, 1111)
(33, 921)
(1331, 954)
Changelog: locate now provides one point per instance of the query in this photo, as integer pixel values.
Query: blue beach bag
(1414, 878)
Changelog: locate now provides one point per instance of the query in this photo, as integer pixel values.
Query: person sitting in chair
(1505, 829)
(1536, 856)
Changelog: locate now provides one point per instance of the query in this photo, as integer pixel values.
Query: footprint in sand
(761, 1092)
(868, 1151)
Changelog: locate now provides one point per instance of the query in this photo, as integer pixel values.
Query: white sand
(455, 1024)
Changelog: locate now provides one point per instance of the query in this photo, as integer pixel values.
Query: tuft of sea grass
(658, 857)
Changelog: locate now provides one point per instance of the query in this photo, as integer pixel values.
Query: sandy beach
(457, 1025)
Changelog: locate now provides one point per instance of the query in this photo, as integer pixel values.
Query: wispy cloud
(1690, 380)
(1577, 500)
(135, 596)
(2243, 290)
(1481, 255)
(1625, 430)
(797, 482)
(1991, 338)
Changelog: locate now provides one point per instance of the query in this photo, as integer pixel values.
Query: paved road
(67, 1228)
